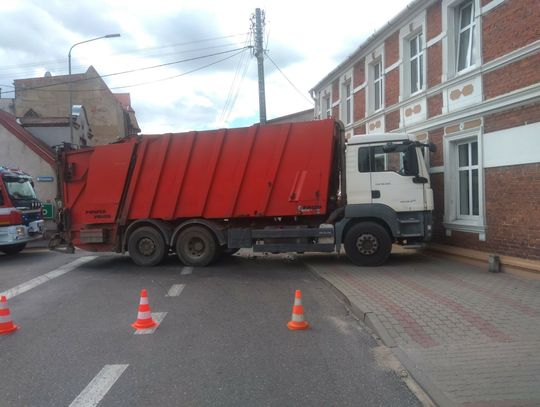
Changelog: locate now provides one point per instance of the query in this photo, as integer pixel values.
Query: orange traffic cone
(144, 317)
(6, 324)
(297, 319)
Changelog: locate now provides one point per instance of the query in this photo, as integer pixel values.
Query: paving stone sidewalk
(469, 337)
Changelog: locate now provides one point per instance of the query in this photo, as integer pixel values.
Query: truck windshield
(19, 188)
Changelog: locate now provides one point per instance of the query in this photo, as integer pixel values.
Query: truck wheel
(12, 248)
(368, 244)
(146, 246)
(196, 246)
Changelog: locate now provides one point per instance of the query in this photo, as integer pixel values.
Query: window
(416, 54)
(377, 85)
(348, 102)
(398, 158)
(463, 183)
(468, 179)
(328, 106)
(465, 36)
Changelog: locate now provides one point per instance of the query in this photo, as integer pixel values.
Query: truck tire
(12, 248)
(146, 246)
(196, 246)
(368, 244)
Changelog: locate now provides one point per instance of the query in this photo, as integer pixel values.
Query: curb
(367, 317)
(373, 323)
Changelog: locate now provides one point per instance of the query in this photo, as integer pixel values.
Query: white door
(393, 171)
(358, 175)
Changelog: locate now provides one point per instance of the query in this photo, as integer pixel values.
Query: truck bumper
(21, 234)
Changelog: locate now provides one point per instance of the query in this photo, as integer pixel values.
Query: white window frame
(460, 31)
(453, 220)
(420, 56)
(450, 25)
(378, 82)
(347, 105)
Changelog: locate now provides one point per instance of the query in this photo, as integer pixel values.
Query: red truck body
(282, 170)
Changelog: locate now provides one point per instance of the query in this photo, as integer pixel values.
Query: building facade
(463, 74)
(48, 96)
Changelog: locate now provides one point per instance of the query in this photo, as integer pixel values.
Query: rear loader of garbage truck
(274, 188)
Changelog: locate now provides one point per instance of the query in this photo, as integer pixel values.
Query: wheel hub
(147, 247)
(367, 244)
(196, 247)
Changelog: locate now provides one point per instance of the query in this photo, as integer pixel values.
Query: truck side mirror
(432, 147)
(411, 162)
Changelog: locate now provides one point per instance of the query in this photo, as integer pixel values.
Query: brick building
(465, 75)
(110, 115)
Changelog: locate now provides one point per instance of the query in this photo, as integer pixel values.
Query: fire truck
(21, 218)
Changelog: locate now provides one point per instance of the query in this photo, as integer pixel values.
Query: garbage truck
(21, 218)
(292, 187)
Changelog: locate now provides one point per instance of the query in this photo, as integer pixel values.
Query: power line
(138, 50)
(234, 89)
(292, 84)
(125, 72)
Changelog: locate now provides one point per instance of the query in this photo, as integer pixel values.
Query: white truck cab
(388, 194)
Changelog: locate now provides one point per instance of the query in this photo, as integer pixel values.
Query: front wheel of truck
(368, 244)
(146, 246)
(12, 248)
(196, 246)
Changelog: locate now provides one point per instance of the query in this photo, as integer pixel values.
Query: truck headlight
(20, 231)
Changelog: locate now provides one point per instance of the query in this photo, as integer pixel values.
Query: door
(394, 167)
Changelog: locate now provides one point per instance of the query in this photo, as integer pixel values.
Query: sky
(210, 80)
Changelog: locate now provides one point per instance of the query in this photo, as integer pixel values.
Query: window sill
(466, 226)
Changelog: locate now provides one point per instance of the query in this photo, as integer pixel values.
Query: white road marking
(175, 290)
(99, 386)
(156, 316)
(27, 286)
(186, 271)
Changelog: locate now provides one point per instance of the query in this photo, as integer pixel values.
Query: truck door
(394, 167)
(358, 174)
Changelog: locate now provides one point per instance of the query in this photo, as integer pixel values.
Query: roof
(298, 116)
(124, 99)
(412, 8)
(380, 138)
(36, 145)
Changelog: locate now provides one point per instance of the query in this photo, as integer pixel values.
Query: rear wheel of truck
(12, 248)
(196, 246)
(146, 246)
(368, 244)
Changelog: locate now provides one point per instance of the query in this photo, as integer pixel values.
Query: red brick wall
(434, 105)
(360, 129)
(392, 120)
(436, 137)
(359, 105)
(513, 224)
(391, 88)
(513, 76)
(335, 90)
(434, 21)
(359, 74)
(510, 26)
(391, 49)
(512, 228)
(335, 112)
(512, 118)
(434, 64)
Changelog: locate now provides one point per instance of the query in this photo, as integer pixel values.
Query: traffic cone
(6, 324)
(144, 317)
(297, 319)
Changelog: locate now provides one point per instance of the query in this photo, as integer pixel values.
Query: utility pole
(259, 54)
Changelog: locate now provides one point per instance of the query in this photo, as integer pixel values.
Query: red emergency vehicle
(21, 218)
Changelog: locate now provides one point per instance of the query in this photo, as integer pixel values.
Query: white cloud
(306, 39)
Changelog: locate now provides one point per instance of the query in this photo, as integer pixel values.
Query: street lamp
(70, 87)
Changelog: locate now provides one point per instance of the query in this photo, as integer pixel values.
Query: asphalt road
(222, 342)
